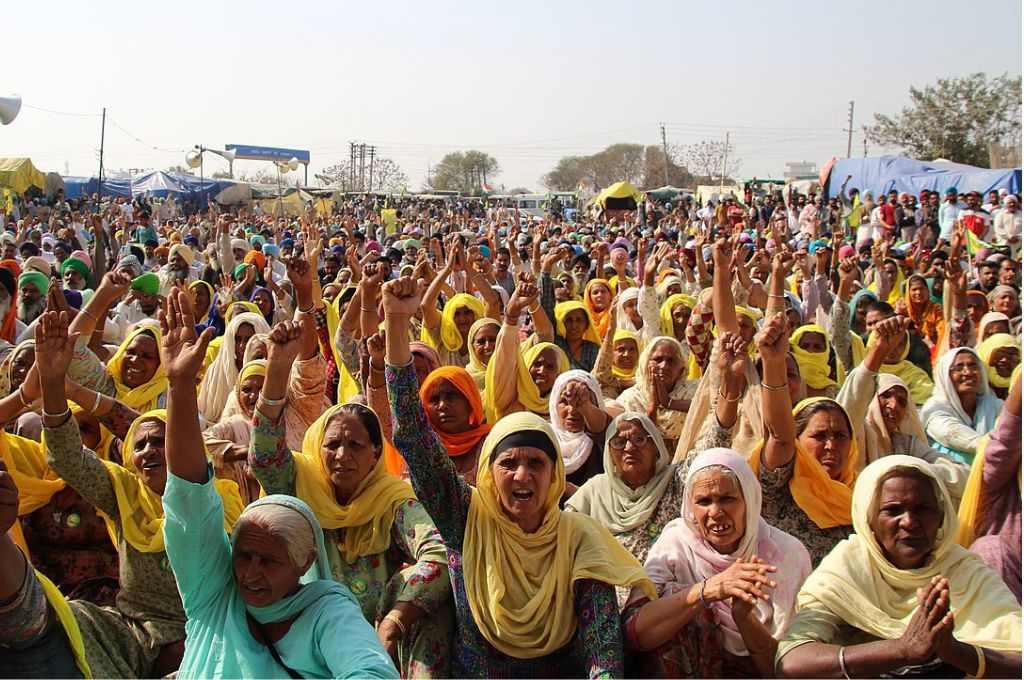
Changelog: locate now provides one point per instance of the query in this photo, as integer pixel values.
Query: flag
(974, 244)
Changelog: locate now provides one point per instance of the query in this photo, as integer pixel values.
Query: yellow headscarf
(370, 513)
(667, 326)
(240, 307)
(347, 385)
(562, 310)
(450, 336)
(856, 582)
(477, 368)
(67, 621)
(623, 334)
(825, 500)
(201, 315)
(144, 397)
(896, 292)
(140, 511)
(920, 385)
(857, 349)
(626, 281)
(520, 586)
(988, 348)
(814, 366)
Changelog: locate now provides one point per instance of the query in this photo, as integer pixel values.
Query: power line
(142, 142)
(63, 113)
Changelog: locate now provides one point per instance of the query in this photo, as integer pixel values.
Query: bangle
(310, 310)
(271, 402)
(393, 618)
(374, 368)
(534, 309)
(842, 663)
(57, 416)
(982, 662)
(704, 602)
(731, 400)
(367, 309)
(773, 388)
(89, 314)
(21, 396)
(773, 295)
(96, 404)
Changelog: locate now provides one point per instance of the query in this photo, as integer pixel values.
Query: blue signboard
(267, 153)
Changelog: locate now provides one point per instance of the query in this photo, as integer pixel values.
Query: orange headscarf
(463, 442)
(926, 316)
(601, 319)
(8, 324)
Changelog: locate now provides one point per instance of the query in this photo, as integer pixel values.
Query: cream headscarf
(221, 377)
(876, 439)
(519, 585)
(609, 500)
(575, 446)
(639, 396)
(477, 368)
(859, 585)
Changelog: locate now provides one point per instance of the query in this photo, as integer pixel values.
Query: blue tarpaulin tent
(883, 174)
(154, 183)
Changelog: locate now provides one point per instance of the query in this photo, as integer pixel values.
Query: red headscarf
(463, 442)
(8, 325)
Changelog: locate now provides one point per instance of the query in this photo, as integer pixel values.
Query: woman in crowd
(859, 310)
(990, 514)
(220, 378)
(819, 366)
(372, 523)
(962, 408)
(992, 323)
(615, 369)
(143, 633)
(534, 586)
(895, 363)
(579, 422)
(1001, 355)
(661, 390)
(807, 463)
(900, 596)
(227, 441)
(675, 315)
(456, 413)
(597, 296)
(727, 579)
(483, 336)
(263, 601)
(922, 311)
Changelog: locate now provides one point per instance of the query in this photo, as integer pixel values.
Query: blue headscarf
(855, 300)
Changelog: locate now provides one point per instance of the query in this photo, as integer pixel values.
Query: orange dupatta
(463, 442)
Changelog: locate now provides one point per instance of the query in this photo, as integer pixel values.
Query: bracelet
(773, 388)
(374, 368)
(89, 314)
(57, 416)
(732, 400)
(311, 310)
(367, 309)
(271, 402)
(773, 295)
(842, 663)
(535, 309)
(21, 396)
(393, 618)
(96, 404)
(704, 602)
(982, 662)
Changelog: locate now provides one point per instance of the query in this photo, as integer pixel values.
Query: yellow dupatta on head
(520, 586)
(988, 348)
(917, 381)
(369, 514)
(856, 582)
(36, 482)
(623, 334)
(665, 313)
(826, 501)
(528, 394)
(140, 510)
(562, 310)
(347, 385)
(814, 366)
(144, 397)
(477, 368)
(450, 336)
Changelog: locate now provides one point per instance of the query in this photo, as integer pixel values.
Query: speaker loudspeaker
(9, 108)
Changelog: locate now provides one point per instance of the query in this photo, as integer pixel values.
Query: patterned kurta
(120, 641)
(382, 580)
(596, 648)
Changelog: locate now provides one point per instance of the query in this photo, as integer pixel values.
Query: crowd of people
(772, 436)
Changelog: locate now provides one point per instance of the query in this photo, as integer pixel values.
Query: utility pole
(725, 163)
(865, 142)
(362, 167)
(373, 151)
(351, 166)
(849, 131)
(664, 148)
(103, 134)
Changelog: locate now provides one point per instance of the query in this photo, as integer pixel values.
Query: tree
(705, 159)
(269, 175)
(464, 171)
(616, 163)
(388, 176)
(566, 175)
(654, 168)
(518, 191)
(180, 169)
(955, 119)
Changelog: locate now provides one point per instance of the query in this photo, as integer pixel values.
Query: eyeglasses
(637, 440)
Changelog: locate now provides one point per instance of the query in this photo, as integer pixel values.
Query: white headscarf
(576, 446)
(221, 376)
(623, 319)
(946, 402)
(681, 557)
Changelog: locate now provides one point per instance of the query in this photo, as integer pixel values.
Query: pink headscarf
(681, 557)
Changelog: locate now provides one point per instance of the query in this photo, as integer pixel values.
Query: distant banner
(267, 153)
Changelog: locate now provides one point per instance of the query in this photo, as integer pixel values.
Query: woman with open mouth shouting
(533, 586)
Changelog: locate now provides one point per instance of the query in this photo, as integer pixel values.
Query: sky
(528, 82)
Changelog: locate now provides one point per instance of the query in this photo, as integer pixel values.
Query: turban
(185, 252)
(239, 273)
(33, 278)
(147, 284)
(131, 263)
(83, 256)
(76, 264)
(240, 244)
(270, 250)
(8, 281)
(257, 258)
(13, 266)
(74, 298)
(37, 264)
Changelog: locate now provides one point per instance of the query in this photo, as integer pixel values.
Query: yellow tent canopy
(293, 204)
(620, 190)
(19, 174)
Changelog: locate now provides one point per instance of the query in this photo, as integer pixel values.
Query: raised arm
(431, 314)
(300, 273)
(773, 343)
(112, 287)
(181, 354)
(722, 302)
